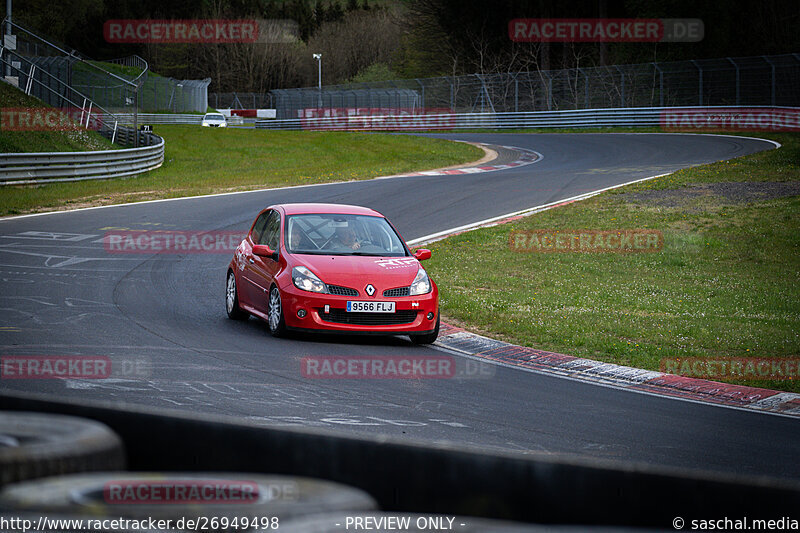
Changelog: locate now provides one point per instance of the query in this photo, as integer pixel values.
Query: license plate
(370, 307)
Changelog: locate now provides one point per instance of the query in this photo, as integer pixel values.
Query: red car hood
(357, 271)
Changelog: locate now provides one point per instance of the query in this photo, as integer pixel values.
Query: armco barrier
(698, 117)
(32, 168)
(435, 478)
(160, 118)
(170, 118)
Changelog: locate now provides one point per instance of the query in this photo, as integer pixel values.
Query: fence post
(737, 79)
(772, 67)
(516, 94)
(660, 84)
(114, 135)
(585, 89)
(135, 117)
(700, 81)
(622, 86)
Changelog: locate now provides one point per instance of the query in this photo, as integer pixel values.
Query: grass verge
(726, 284)
(43, 141)
(208, 160)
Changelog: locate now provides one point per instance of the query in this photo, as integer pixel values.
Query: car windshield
(215, 117)
(332, 234)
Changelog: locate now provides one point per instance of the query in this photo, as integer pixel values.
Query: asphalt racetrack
(61, 293)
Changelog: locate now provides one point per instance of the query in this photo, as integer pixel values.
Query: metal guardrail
(588, 118)
(170, 118)
(160, 118)
(50, 167)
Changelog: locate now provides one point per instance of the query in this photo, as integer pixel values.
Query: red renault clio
(331, 268)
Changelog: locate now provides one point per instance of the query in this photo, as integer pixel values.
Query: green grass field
(726, 284)
(207, 160)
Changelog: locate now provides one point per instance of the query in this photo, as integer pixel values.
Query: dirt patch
(728, 193)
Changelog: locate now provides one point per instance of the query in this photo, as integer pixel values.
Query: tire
(232, 299)
(275, 319)
(39, 445)
(428, 338)
(91, 495)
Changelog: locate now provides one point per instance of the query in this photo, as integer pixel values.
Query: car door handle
(251, 260)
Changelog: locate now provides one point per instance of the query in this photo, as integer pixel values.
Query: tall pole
(318, 57)
(136, 117)
(8, 32)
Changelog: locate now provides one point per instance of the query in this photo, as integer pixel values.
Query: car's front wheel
(277, 325)
(232, 299)
(428, 338)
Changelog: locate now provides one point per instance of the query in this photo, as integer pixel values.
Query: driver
(346, 237)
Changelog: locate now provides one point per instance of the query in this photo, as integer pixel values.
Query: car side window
(271, 231)
(258, 227)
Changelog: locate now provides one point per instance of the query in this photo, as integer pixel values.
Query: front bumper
(411, 311)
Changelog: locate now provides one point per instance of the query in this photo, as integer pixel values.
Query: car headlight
(421, 283)
(306, 280)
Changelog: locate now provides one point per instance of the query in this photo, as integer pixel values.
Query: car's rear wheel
(232, 299)
(427, 338)
(277, 325)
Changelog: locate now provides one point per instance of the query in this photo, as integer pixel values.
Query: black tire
(232, 299)
(38, 445)
(428, 338)
(275, 319)
(89, 495)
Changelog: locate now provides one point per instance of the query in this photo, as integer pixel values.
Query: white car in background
(214, 120)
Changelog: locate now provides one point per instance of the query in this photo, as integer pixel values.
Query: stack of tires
(58, 473)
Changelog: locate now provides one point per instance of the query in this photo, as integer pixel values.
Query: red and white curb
(622, 377)
(524, 157)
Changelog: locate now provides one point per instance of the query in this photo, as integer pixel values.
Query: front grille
(341, 291)
(340, 316)
(396, 293)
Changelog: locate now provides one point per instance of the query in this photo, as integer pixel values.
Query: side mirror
(422, 254)
(262, 250)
